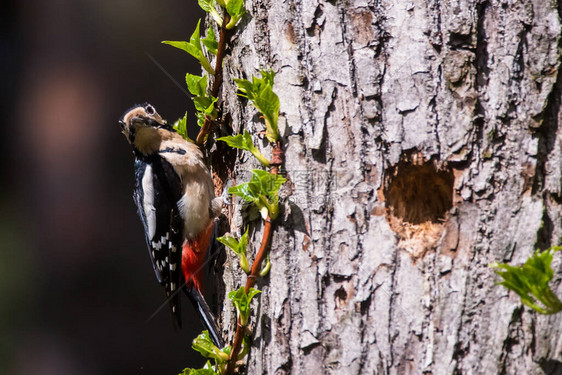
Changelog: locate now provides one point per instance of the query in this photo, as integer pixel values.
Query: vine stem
(276, 161)
(217, 82)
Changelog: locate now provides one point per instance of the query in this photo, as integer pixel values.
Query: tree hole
(418, 196)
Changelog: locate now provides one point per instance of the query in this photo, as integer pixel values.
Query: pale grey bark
(369, 87)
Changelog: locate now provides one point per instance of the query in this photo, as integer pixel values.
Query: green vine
(260, 192)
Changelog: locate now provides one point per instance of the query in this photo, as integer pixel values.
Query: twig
(276, 161)
(223, 39)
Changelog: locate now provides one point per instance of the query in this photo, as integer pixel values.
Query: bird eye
(150, 109)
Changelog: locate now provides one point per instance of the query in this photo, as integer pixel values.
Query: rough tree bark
(423, 142)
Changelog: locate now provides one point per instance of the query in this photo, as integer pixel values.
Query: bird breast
(197, 184)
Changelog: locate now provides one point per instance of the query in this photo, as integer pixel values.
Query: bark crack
(548, 131)
(460, 348)
(391, 295)
(513, 337)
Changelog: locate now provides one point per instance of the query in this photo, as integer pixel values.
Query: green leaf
(241, 141)
(229, 242)
(181, 126)
(245, 87)
(242, 302)
(244, 142)
(197, 85)
(195, 39)
(209, 6)
(205, 105)
(268, 76)
(185, 46)
(193, 47)
(268, 104)
(260, 92)
(530, 281)
(269, 184)
(243, 241)
(200, 118)
(238, 247)
(202, 103)
(210, 41)
(265, 269)
(245, 347)
(207, 369)
(210, 110)
(235, 8)
(262, 190)
(202, 371)
(205, 346)
(208, 365)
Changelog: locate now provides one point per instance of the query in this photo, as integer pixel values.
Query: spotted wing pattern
(157, 191)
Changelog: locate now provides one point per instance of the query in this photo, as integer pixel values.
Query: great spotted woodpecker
(175, 199)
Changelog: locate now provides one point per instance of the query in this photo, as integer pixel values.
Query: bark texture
(423, 142)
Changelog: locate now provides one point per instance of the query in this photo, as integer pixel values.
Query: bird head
(141, 117)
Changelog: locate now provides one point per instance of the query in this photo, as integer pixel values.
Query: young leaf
(268, 76)
(260, 92)
(185, 46)
(193, 47)
(268, 103)
(245, 87)
(201, 371)
(241, 141)
(530, 281)
(244, 142)
(205, 346)
(195, 39)
(265, 269)
(229, 242)
(200, 118)
(205, 105)
(209, 6)
(181, 126)
(210, 41)
(196, 85)
(262, 191)
(269, 184)
(242, 302)
(245, 347)
(235, 8)
(239, 248)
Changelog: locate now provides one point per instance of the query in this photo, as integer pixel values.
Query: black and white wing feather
(157, 191)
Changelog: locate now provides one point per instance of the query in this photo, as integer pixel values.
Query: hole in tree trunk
(418, 196)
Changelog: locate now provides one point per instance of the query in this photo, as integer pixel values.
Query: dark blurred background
(76, 283)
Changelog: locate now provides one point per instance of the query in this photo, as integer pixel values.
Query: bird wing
(157, 191)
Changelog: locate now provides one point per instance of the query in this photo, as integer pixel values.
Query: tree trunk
(422, 142)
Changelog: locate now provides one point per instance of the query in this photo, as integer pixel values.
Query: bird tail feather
(205, 314)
